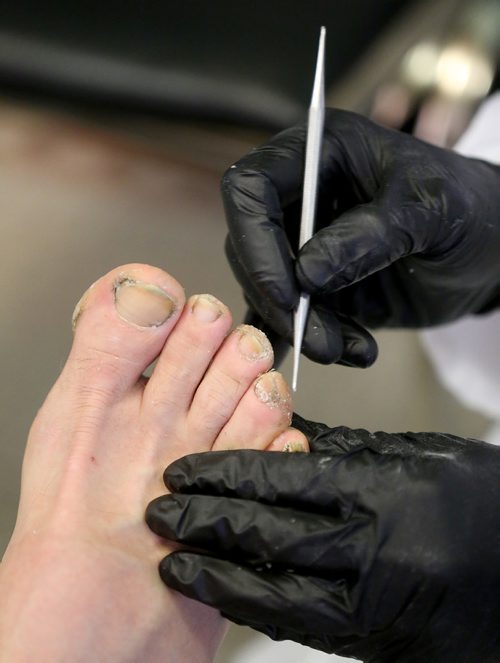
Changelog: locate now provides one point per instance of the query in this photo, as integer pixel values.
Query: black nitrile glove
(407, 235)
(383, 547)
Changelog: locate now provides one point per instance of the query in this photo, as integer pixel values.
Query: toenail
(206, 308)
(253, 343)
(293, 447)
(272, 390)
(142, 304)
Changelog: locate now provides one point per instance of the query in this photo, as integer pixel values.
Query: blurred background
(117, 121)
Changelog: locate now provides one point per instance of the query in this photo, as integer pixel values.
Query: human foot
(80, 573)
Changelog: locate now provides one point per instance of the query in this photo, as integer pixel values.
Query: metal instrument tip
(313, 153)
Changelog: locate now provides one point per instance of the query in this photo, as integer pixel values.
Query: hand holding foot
(80, 576)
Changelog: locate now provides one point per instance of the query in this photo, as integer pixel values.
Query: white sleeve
(466, 354)
(482, 137)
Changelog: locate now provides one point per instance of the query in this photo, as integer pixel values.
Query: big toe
(120, 326)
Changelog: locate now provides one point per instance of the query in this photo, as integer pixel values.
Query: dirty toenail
(142, 304)
(253, 344)
(272, 389)
(206, 308)
(293, 447)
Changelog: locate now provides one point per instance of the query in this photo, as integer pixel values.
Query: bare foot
(79, 580)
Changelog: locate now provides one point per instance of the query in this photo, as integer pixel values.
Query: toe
(245, 354)
(202, 328)
(264, 412)
(291, 441)
(120, 325)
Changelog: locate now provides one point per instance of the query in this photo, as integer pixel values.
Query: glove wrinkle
(378, 546)
(407, 234)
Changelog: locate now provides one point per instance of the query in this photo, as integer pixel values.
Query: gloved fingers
(323, 341)
(262, 193)
(328, 338)
(279, 162)
(278, 634)
(278, 317)
(322, 338)
(344, 440)
(360, 349)
(257, 533)
(311, 429)
(373, 302)
(319, 641)
(308, 482)
(359, 243)
(253, 204)
(392, 446)
(293, 604)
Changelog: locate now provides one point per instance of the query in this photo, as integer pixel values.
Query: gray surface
(78, 199)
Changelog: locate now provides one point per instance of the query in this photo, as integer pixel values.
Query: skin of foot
(79, 579)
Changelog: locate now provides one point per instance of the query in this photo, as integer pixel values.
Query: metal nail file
(313, 152)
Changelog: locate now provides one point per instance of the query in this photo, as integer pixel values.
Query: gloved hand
(407, 235)
(383, 547)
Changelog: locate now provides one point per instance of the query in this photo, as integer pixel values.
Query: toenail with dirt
(206, 308)
(272, 390)
(253, 343)
(142, 304)
(293, 447)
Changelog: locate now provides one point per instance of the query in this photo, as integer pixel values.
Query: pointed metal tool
(313, 152)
